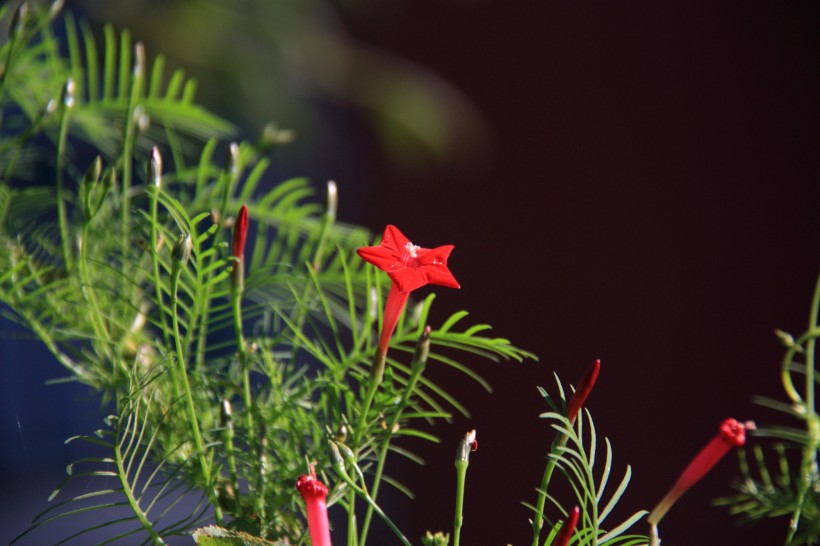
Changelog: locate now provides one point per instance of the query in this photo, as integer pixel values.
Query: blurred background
(626, 180)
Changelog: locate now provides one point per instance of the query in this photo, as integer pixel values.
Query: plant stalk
(189, 400)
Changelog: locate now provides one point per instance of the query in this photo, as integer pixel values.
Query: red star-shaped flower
(410, 266)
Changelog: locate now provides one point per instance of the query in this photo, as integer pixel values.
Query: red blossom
(409, 267)
(314, 493)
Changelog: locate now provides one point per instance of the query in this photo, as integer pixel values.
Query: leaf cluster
(782, 480)
(576, 454)
(222, 389)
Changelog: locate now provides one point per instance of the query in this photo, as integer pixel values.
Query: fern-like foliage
(121, 264)
(134, 493)
(769, 488)
(578, 458)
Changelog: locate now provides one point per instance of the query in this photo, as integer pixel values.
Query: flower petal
(408, 278)
(394, 241)
(434, 264)
(409, 266)
(379, 256)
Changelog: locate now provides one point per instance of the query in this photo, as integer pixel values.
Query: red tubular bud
(314, 493)
(568, 528)
(467, 444)
(582, 392)
(732, 434)
(240, 233)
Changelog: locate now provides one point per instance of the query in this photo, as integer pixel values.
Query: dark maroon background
(652, 201)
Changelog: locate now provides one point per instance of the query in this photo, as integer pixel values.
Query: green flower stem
(538, 520)
(189, 400)
(461, 478)
(100, 331)
(361, 423)
(62, 213)
(242, 351)
(16, 27)
(351, 521)
(241, 348)
(808, 470)
(316, 263)
(341, 454)
(231, 177)
(153, 192)
(133, 502)
(128, 145)
(417, 368)
(228, 442)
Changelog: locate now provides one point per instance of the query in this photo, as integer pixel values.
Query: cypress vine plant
(258, 369)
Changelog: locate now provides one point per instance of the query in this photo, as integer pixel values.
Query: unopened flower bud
(69, 89)
(225, 414)
(341, 432)
(142, 119)
(155, 168)
(422, 349)
(234, 159)
(109, 179)
(437, 539)
(240, 235)
(55, 9)
(92, 174)
(181, 252)
(272, 137)
(139, 60)
(785, 338)
(19, 19)
(568, 528)
(332, 200)
(467, 444)
(582, 392)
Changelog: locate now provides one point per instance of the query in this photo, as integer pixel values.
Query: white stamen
(412, 249)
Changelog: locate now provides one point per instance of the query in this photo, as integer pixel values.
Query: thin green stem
(228, 441)
(242, 353)
(132, 501)
(62, 213)
(100, 331)
(360, 490)
(351, 520)
(540, 504)
(128, 144)
(15, 28)
(316, 264)
(811, 410)
(153, 192)
(417, 368)
(461, 478)
(808, 470)
(189, 400)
